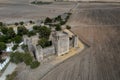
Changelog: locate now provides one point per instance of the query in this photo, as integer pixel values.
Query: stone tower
(61, 43)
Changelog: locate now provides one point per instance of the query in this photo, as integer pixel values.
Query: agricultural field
(12, 11)
(98, 25)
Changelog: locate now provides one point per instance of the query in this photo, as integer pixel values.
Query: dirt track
(100, 28)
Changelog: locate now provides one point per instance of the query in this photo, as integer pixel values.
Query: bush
(34, 64)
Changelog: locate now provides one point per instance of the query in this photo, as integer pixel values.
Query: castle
(61, 44)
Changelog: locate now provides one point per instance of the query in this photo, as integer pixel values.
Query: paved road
(101, 61)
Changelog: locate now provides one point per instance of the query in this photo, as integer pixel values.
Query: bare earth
(99, 27)
(21, 10)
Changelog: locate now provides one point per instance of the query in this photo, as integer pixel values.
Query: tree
(58, 27)
(21, 23)
(43, 42)
(48, 20)
(44, 32)
(10, 33)
(1, 23)
(16, 57)
(2, 46)
(4, 30)
(16, 24)
(31, 33)
(17, 39)
(27, 59)
(31, 22)
(22, 30)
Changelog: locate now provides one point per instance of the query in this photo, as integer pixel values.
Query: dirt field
(21, 10)
(98, 26)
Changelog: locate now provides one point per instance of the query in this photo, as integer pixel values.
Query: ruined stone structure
(61, 44)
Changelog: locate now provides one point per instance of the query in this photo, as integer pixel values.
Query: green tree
(22, 30)
(16, 57)
(44, 32)
(31, 22)
(58, 27)
(16, 24)
(31, 33)
(4, 30)
(21, 23)
(2, 46)
(10, 33)
(48, 20)
(28, 59)
(17, 39)
(44, 42)
(1, 23)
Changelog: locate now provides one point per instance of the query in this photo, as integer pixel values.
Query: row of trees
(18, 57)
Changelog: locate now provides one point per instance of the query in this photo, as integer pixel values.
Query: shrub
(34, 64)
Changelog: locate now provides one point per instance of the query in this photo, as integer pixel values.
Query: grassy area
(40, 3)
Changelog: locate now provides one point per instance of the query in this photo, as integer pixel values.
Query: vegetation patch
(18, 57)
(40, 3)
(34, 64)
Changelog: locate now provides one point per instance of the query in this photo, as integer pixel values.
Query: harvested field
(18, 10)
(99, 27)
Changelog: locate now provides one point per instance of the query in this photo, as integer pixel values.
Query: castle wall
(49, 51)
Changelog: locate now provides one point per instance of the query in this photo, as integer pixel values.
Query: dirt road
(100, 28)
